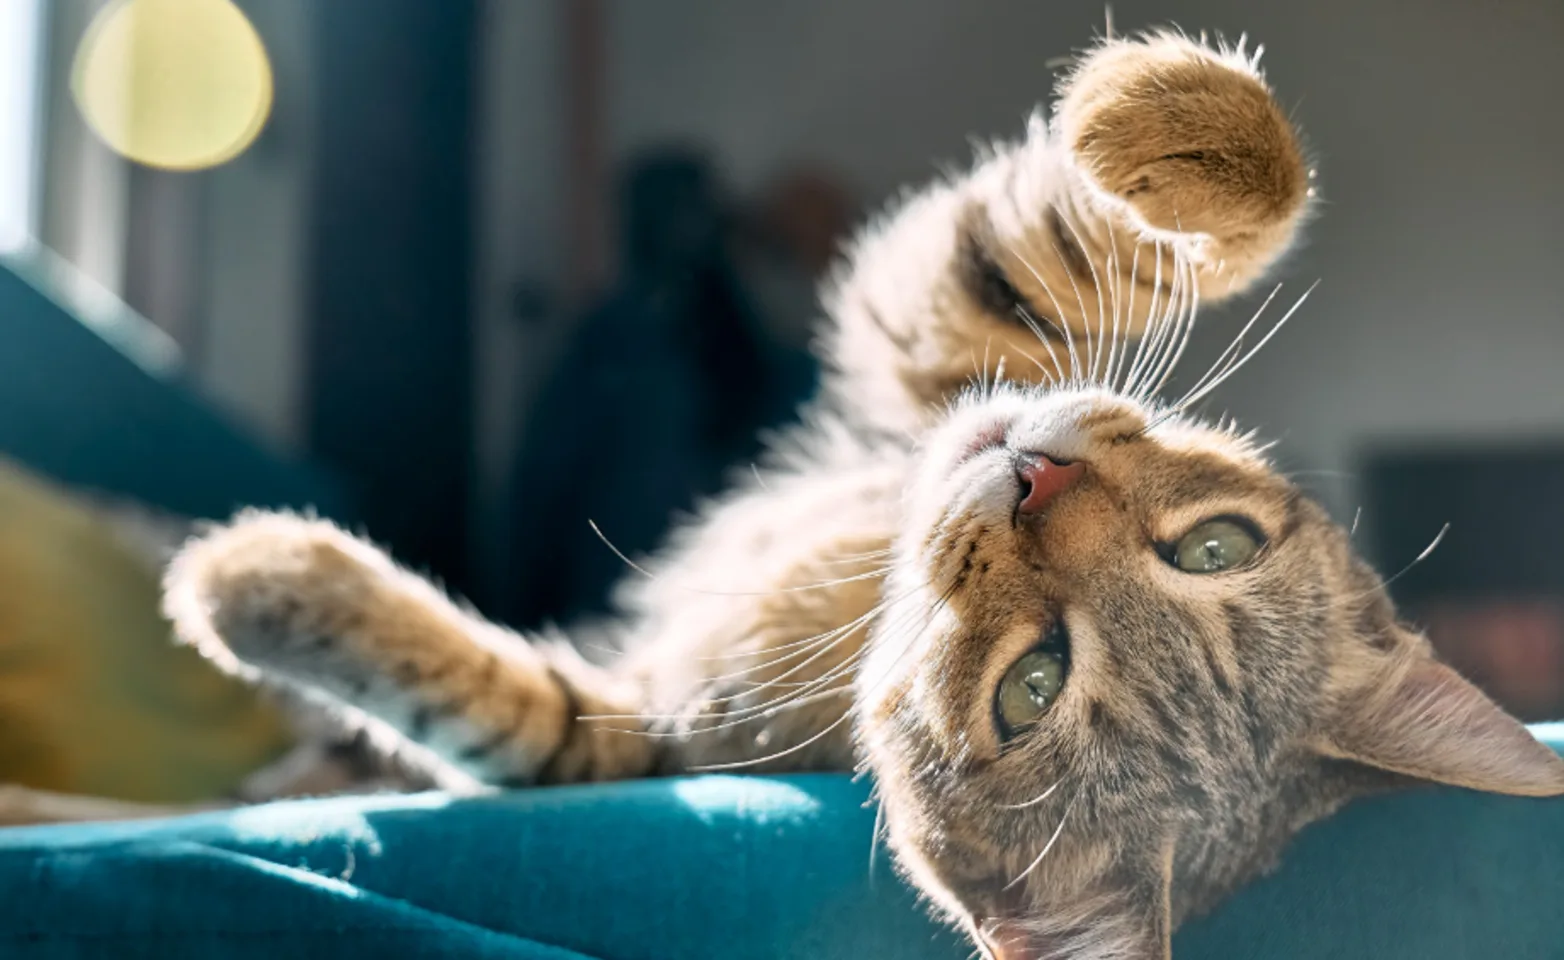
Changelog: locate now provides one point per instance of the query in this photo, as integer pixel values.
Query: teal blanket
(741, 868)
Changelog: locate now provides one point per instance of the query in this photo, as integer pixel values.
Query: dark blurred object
(795, 232)
(531, 303)
(389, 354)
(660, 392)
(808, 214)
(1492, 594)
(1513, 648)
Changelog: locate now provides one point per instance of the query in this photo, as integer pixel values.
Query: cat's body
(768, 637)
(973, 276)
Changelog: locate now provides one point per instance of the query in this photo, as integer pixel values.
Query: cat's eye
(1216, 545)
(1031, 685)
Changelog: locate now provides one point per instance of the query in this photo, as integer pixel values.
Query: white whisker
(1062, 323)
(1047, 847)
(1256, 349)
(1153, 320)
(1093, 356)
(740, 764)
(1185, 332)
(1167, 326)
(1052, 372)
(1113, 294)
(1233, 351)
(1031, 323)
(1385, 585)
(822, 585)
(1086, 326)
(1115, 381)
(874, 838)
(1032, 802)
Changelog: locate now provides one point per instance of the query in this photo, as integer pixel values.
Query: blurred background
(468, 273)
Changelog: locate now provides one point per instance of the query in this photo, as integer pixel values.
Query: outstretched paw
(272, 591)
(301, 605)
(1187, 138)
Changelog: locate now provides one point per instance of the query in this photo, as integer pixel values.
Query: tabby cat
(1101, 659)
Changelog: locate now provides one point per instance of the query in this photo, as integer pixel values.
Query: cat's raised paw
(1188, 138)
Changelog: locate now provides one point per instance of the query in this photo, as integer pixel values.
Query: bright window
(20, 32)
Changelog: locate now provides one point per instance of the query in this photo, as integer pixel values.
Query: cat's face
(1110, 684)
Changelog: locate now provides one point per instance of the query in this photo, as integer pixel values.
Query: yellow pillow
(95, 697)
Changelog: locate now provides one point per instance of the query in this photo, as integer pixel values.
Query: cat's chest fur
(749, 628)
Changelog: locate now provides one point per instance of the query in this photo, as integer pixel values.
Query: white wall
(1437, 124)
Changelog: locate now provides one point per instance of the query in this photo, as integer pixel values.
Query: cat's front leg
(1167, 177)
(301, 605)
(1186, 142)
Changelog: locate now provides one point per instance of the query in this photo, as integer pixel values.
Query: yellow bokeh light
(177, 84)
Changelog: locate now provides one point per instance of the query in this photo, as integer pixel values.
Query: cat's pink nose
(1043, 479)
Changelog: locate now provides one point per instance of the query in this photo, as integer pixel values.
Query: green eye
(1031, 686)
(1214, 546)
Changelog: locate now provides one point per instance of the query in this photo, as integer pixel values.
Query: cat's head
(1122, 661)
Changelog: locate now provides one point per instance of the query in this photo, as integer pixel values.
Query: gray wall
(1437, 125)
(253, 232)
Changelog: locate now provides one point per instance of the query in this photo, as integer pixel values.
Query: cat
(1100, 659)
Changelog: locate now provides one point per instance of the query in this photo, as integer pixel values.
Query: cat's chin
(985, 438)
(1059, 422)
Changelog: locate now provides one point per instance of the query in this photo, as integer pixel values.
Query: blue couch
(94, 396)
(743, 868)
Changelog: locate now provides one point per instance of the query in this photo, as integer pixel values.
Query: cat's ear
(1421, 719)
